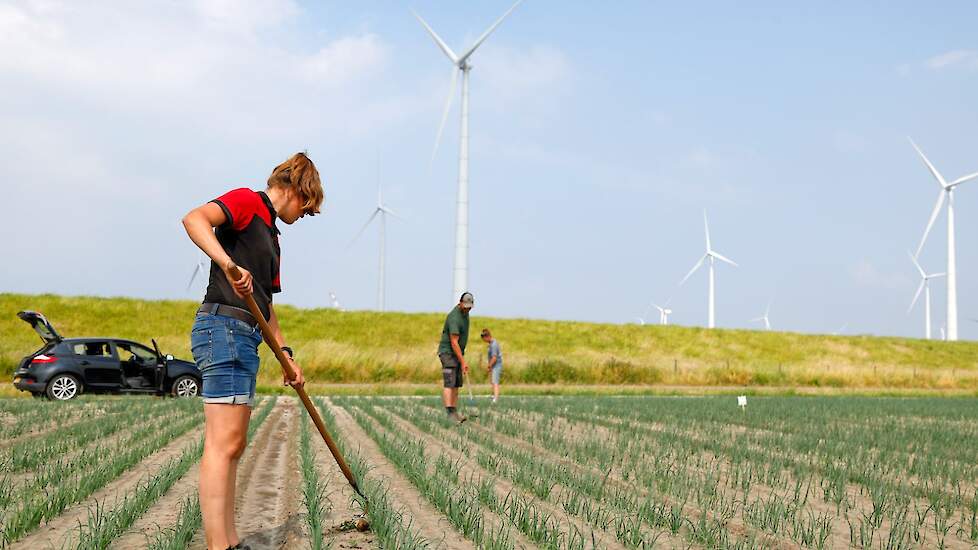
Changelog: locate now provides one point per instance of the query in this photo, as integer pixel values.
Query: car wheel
(186, 386)
(63, 387)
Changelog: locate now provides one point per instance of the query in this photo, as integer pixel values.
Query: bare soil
(430, 523)
(343, 508)
(60, 531)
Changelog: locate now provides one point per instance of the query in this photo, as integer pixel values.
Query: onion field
(529, 472)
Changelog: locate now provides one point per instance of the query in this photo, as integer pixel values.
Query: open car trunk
(41, 326)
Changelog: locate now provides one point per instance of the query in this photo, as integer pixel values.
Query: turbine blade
(364, 228)
(441, 43)
(920, 288)
(917, 265)
(706, 225)
(963, 179)
(194, 276)
(444, 117)
(691, 271)
(936, 275)
(940, 178)
(930, 223)
(725, 259)
(486, 34)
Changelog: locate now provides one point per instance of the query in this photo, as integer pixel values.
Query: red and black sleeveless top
(250, 237)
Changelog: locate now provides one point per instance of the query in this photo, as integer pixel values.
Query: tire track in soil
(246, 467)
(342, 507)
(268, 502)
(58, 532)
(429, 521)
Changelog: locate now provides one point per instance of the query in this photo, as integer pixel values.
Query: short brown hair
(485, 333)
(299, 174)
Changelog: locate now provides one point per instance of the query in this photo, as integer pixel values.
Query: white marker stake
(742, 402)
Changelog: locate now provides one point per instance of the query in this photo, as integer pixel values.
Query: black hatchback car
(66, 367)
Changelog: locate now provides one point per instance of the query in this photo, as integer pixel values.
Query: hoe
(361, 523)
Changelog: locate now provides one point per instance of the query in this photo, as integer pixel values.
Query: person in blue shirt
(495, 362)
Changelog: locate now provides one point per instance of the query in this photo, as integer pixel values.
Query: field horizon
(390, 349)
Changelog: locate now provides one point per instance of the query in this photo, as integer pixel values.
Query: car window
(128, 350)
(93, 349)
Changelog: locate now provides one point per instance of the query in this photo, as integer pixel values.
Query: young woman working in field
(225, 337)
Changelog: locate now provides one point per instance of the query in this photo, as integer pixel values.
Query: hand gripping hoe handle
(283, 360)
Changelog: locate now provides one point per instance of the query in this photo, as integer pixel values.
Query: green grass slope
(369, 347)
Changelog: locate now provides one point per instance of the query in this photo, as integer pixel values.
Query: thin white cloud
(866, 274)
(246, 15)
(535, 74)
(346, 59)
(954, 58)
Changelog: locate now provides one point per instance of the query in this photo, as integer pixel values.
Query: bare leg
(225, 432)
(446, 396)
(495, 391)
(229, 505)
(454, 397)
(232, 489)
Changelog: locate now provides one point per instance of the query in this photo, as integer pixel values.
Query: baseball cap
(467, 299)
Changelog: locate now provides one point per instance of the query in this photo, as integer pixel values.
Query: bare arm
(458, 353)
(276, 330)
(492, 361)
(278, 343)
(200, 223)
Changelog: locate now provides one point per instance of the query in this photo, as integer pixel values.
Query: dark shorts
(451, 370)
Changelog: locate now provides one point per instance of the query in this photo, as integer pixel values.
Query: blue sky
(599, 135)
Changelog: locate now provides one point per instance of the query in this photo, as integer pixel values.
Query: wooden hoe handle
(266, 331)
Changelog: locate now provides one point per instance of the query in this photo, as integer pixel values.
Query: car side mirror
(169, 357)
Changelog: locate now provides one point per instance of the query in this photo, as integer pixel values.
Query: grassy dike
(394, 349)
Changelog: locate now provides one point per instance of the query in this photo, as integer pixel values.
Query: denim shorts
(226, 352)
(497, 372)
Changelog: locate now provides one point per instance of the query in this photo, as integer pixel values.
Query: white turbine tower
(925, 287)
(711, 255)
(460, 63)
(946, 193)
(765, 318)
(382, 211)
(664, 313)
(202, 269)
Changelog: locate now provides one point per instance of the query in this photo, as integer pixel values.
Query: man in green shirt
(451, 352)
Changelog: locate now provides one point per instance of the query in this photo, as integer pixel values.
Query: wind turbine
(383, 211)
(460, 63)
(946, 193)
(765, 318)
(664, 313)
(925, 287)
(711, 255)
(334, 302)
(200, 268)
